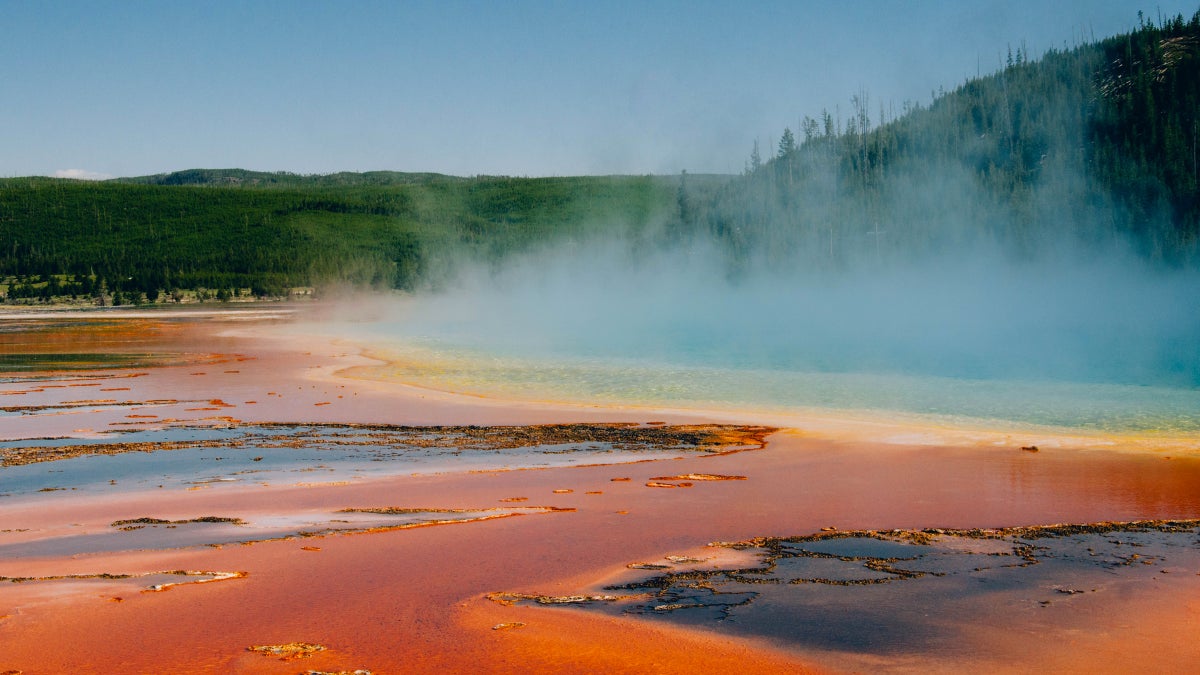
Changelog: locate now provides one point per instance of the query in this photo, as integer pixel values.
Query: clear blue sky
(520, 88)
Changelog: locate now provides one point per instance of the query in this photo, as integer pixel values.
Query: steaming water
(591, 378)
(1112, 349)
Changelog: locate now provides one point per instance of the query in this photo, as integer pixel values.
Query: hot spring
(1096, 346)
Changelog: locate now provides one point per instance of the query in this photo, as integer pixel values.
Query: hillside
(234, 229)
(285, 179)
(1092, 146)
(1084, 148)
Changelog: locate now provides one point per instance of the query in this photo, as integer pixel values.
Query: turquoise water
(1112, 407)
(1091, 345)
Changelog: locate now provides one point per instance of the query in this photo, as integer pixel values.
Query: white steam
(977, 316)
(81, 174)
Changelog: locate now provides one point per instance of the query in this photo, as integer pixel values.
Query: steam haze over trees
(1094, 145)
(1090, 146)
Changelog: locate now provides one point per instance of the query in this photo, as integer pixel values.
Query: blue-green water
(1108, 345)
(1100, 406)
(186, 456)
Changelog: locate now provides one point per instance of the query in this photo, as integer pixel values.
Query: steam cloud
(1110, 319)
(81, 174)
(931, 274)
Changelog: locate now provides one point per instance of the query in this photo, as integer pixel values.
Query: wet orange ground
(414, 600)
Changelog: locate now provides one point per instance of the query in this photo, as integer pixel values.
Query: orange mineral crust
(414, 600)
(423, 597)
(177, 367)
(402, 601)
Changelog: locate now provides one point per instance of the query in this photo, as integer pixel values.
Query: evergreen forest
(1085, 148)
(1088, 146)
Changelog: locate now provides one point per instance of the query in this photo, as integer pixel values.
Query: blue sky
(517, 88)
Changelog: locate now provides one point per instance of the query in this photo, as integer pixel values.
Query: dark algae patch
(552, 438)
(139, 523)
(897, 592)
(226, 451)
(40, 361)
(161, 581)
(148, 533)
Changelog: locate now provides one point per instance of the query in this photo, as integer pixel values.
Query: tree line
(232, 229)
(1094, 144)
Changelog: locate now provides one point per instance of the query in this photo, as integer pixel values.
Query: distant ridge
(246, 178)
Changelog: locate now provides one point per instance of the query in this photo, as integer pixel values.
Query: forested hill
(1094, 145)
(235, 231)
(1090, 146)
(286, 179)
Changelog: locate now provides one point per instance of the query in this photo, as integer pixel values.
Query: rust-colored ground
(414, 600)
